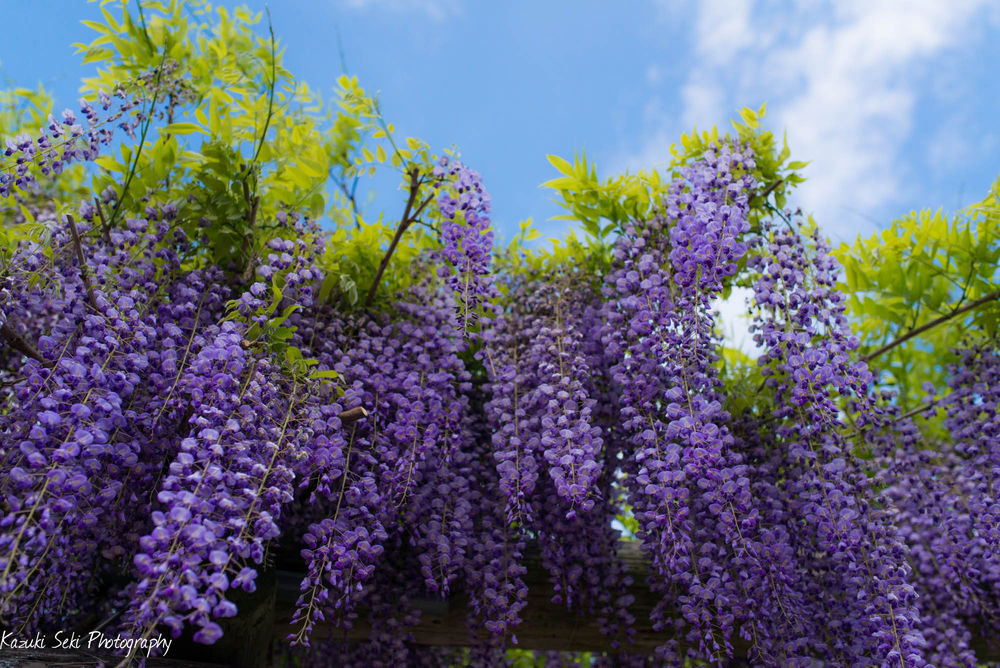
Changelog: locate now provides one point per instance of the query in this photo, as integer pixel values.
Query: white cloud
(843, 79)
(437, 10)
(859, 79)
(702, 101)
(734, 321)
(723, 29)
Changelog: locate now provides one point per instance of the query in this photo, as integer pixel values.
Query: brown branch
(20, 344)
(246, 186)
(993, 296)
(253, 202)
(253, 211)
(352, 415)
(916, 411)
(770, 188)
(420, 209)
(404, 223)
(105, 230)
(83, 262)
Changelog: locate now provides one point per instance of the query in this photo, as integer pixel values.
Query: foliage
(924, 268)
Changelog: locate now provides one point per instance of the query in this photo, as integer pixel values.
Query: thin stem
(340, 49)
(993, 296)
(349, 195)
(917, 411)
(246, 186)
(253, 211)
(105, 229)
(270, 93)
(770, 188)
(253, 199)
(861, 431)
(142, 142)
(252, 202)
(145, 31)
(83, 262)
(404, 223)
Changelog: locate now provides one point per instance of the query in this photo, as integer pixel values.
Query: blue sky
(894, 103)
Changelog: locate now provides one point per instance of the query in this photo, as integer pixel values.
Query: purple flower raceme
(540, 407)
(511, 422)
(840, 536)
(494, 570)
(404, 472)
(467, 236)
(944, 500)
(688, 484)
(92, 415)
(249, 428)
(568, 440)
(973, 418)
(63, 142)
(948, 560)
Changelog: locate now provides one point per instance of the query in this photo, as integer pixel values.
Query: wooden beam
(266, 616)
(545, 625)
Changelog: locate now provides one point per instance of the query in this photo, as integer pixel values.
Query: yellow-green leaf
(184, 128)
(560, 164)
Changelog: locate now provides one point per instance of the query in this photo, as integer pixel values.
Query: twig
(252, 204)
(12, 381)
(270, 92)
(83, 262)
(105, 230)
(861, 431)
(349, 195)
(404, 223)
(340, 49)
(916, 411)
(20, 344)
(770, 189)
(254, 201)
(993, 296)
(248, 269)
(142, 141)
(352, 415)
(253, 211)
(246, 186)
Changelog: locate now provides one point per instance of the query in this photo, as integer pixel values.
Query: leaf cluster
(918, 275)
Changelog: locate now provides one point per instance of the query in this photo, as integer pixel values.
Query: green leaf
(749, 117)
(349, 289)
(184, 128)
(560, 164)
(563, 183)
(783, 155)
(325, 374)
